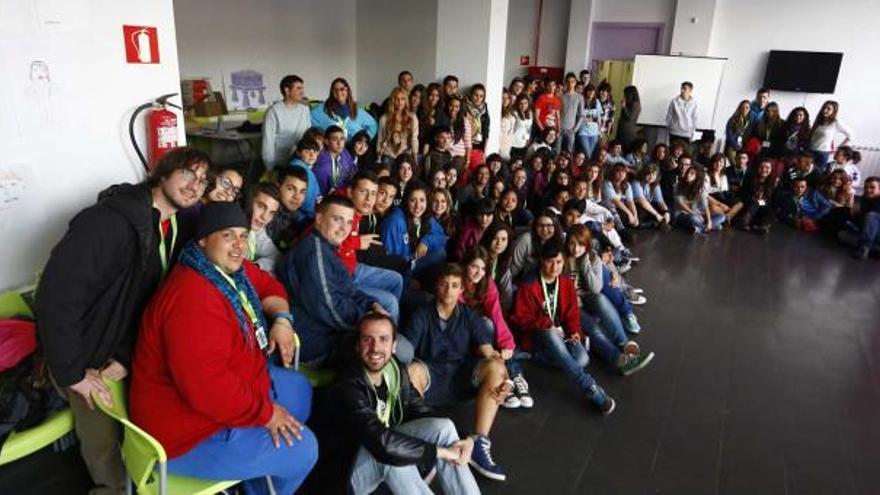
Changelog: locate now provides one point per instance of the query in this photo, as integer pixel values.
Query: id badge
(262, 341)
(765, 144)
(762, 202)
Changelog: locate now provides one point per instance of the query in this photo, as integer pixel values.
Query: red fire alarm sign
(141, 44)
(524, 60)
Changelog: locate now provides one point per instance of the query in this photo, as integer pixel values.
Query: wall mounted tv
(806, 72)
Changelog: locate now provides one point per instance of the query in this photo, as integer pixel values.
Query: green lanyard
(494, 266)
(549, 305)
(251, 246)
(259, 331)
(163, 254)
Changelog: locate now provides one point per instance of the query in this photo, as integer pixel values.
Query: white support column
(694, 22)
(580, 22)
(471, 43)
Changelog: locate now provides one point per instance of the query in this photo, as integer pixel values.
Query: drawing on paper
(41, 90)
(248, 90)
(12, 189)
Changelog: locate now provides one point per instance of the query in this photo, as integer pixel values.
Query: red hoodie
(194, 373)
(530, 314)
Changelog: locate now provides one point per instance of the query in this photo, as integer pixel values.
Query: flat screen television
(806, 72)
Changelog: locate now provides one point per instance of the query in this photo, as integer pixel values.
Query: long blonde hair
(398, 121)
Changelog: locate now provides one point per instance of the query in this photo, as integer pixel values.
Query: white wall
(81, 146)
(394, 35)
(555, 27)
(314, 39)
(745, 30)
(521, 29)
(694, 24)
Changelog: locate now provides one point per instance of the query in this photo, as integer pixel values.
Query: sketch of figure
(12, 188)
(41, 90)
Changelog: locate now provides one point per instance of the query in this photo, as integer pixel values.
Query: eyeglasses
(545, 225)
(189, 175)
(228, 186)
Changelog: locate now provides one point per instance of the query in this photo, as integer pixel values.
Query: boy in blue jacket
(802, 207)
(325, 302)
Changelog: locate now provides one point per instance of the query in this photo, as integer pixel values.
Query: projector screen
(659, 78)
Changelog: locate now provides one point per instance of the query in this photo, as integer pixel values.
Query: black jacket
(97, 282)
(350, 422)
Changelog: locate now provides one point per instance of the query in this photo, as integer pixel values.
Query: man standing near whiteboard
(681, 117)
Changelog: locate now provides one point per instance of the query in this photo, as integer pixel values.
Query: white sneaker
(521, 389)
(638, 291)
(638, 300)
(624, 268)
(512, 402)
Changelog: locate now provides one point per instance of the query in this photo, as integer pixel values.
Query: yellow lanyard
(549, 305)
(418, 228)
(252, 246)
(245, 303)
(163, 254)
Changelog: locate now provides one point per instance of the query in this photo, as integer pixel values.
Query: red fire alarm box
(541, 72)
(524, 60)
(141, 44)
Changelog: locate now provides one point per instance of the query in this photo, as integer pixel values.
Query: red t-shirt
(194, 373)
(547, 106)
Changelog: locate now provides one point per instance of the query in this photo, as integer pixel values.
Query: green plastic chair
(142, 455)
(24, 443)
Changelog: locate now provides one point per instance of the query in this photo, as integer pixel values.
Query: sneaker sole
(610, 409)
(645, 362)
(487, 474)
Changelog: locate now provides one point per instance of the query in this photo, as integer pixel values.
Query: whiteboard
(659, 78)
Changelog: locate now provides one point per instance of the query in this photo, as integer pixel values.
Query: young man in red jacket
(546, 312)
(202, 383)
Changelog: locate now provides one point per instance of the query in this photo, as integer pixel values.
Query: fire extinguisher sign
(141, 44)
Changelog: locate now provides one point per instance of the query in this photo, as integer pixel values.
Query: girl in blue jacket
(411, 232)
(340, 110)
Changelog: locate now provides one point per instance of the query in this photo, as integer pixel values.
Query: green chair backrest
(12, 304)
(140, 451)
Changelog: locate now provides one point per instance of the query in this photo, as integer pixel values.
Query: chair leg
(163, 479)
(128, 484)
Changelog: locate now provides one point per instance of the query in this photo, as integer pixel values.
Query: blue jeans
(691, 220)
(821, 160)
(572, 357)
(870, 234)
(567, 139)
(385, 286)
(609, 336)
(249, 454)
(588, 144)
(368, 473)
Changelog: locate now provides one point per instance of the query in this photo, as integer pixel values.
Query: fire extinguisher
(161, 124)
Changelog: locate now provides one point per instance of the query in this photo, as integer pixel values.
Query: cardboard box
(211, 106)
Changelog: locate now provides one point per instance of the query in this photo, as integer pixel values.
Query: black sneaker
(521, 390)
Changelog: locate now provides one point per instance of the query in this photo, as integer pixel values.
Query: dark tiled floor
(766, 380)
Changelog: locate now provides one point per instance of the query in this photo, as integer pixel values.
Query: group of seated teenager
(385, 247)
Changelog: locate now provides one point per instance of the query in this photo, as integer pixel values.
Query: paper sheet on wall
(19, 202)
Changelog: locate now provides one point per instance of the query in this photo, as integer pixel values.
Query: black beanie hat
(218, 216)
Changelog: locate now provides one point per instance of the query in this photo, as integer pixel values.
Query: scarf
(194, 257)
(476, 121)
